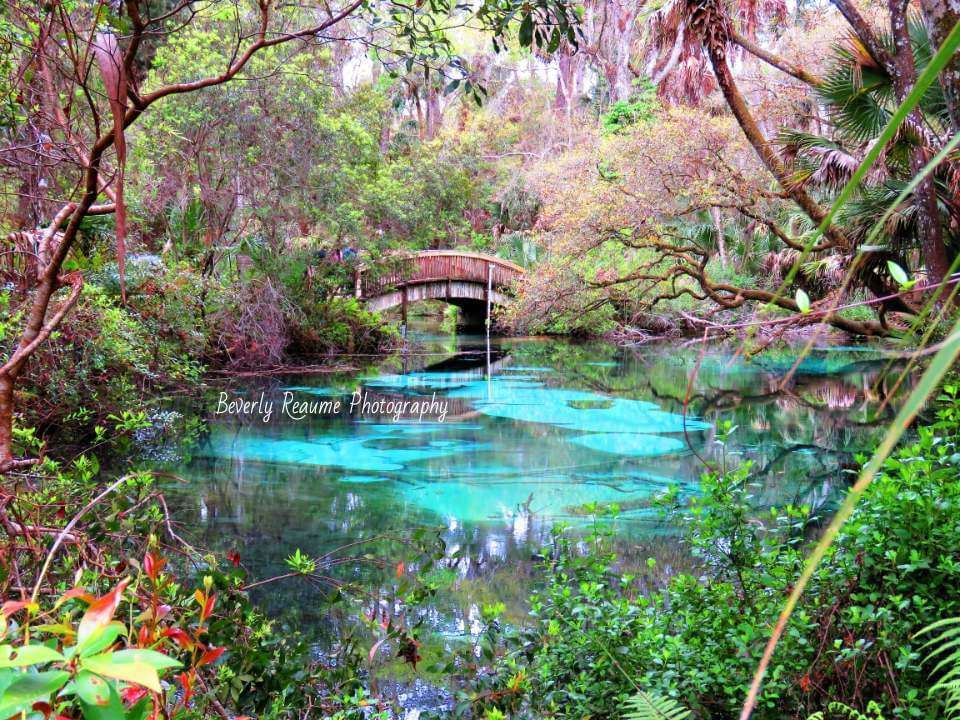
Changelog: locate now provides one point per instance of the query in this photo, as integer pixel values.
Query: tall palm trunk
(940, 18)
(708, 18)
(929, 228)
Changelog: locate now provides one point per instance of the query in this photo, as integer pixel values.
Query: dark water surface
(534, 430)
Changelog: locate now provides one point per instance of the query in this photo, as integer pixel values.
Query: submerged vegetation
(198, 188)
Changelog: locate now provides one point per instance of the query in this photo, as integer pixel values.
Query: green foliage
(644, 706)
(339, 324)
(300, 563)
(860, 94)
(88, 672)
(861, 100)
(839, 711)
(638, 110)
(109, 357)
(197, 612)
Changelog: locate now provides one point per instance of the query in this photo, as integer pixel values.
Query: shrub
(339, 324)
(251, 327)
(109, 358)
(163, 606)
(640, 108)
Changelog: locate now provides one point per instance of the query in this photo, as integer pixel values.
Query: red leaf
(234, 557)
(208, 607)
(210, 656)
(76, 592)
(179, 637)
(43, 707)
(100, 612)
(400, 568)
(149, 567)
(186, 680)
(132, 693)
(9, 608)
(144, 636)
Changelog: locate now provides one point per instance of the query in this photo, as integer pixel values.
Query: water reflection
(535, 429)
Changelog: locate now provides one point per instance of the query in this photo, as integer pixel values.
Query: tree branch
(774, 60)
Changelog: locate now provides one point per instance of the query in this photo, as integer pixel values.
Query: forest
(409, 359)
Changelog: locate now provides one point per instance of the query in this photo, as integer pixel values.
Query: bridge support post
(403, 309)
(489, 293)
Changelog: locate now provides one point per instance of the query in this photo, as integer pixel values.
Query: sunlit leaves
(26, 689)
(99, 614)
(899, 275)
(301, 563)
(136, 666)
(28, 655)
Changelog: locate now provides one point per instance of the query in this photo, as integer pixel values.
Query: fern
(946, 651)
(645, 706)
(839, 710)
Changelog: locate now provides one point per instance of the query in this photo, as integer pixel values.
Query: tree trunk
(6, 420)
(769, 157)
(434, 117)
(563, 102)
(940, 17)
(385, 135)
(721, 240)
(929, 227)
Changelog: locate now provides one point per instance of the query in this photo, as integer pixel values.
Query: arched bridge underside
(472, 281)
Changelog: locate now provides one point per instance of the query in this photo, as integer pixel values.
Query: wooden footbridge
(473, 282)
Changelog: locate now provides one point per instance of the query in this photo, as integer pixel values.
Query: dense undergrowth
(177, 325)
(109, 612)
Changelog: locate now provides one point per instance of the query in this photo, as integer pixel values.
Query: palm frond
(860, 95)
(826, 163)
(852, 92)
(934, 103)
(647, 706)
(703, 235)
(860, 214)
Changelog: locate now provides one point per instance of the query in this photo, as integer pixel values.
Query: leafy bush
(110, 358)
(640, 108)
(339, 324)
(182, 608)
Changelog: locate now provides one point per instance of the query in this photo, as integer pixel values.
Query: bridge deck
(438, 266)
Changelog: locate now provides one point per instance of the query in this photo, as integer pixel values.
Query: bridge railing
(434, 266)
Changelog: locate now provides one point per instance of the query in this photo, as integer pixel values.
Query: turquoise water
(494, 444)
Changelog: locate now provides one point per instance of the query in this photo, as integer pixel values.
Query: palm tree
(888, 63)
(859, 96)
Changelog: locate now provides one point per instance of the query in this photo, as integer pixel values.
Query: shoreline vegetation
(190, 190)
